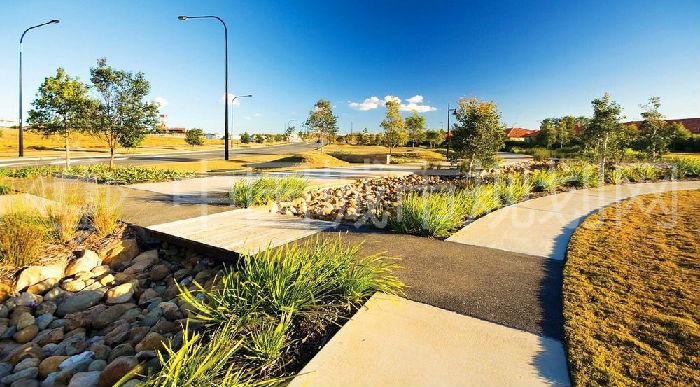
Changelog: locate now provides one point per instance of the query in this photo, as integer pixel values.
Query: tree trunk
(65, 143)
(111, 157)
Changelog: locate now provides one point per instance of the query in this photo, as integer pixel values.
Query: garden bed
(99, 173)
(439, 206)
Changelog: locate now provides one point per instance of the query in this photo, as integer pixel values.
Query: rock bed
(364, 201)
(90, 321)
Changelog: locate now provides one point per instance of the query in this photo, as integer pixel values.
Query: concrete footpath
(543, 226)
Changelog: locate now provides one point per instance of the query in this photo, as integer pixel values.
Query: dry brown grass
(105, 211)
(311, 159)
(377, 153)
(632, 293)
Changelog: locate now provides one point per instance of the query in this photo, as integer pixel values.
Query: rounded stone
(27, 334)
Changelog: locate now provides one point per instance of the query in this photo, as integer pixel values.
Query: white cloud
(257, 115)
(368, 104)
(415, 104)
(417, 99)
(161, 102)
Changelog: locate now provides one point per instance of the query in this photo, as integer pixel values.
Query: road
(175, 156)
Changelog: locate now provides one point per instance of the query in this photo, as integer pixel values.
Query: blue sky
(535, 60)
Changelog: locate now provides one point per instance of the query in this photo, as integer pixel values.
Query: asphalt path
(174, 156)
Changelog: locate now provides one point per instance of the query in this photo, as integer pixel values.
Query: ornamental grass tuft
(260, 191)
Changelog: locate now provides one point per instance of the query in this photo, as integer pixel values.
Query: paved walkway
(396, 342)
(242, 231)
(543, 226)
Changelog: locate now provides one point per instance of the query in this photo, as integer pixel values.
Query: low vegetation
(436, 214)
(631, 282)
(263, 190)
(99, 173)
(377, 154)
(262, 312)
(23, 234)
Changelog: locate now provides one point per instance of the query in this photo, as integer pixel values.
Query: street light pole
(226, 134)
(235, 97)
(449, 111)
(21, 39)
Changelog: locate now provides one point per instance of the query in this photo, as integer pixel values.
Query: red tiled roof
(692, 124)
(520, 132)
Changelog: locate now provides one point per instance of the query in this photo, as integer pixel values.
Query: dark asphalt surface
(512, 289)
(176, 156)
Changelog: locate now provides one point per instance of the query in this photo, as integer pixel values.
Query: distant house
(692, 124)
(211, 136)
(520, 134)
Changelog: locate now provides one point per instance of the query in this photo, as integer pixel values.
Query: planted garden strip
(99, 173)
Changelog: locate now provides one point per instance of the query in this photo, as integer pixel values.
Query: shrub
(245, 193)
(99, 173)
(195, 137)
(295, 279)
(545, 180)
(104, 213)
(541, 154)
(686, 167)
(5, 189)
(430, 214)
(616, 176)
(481, 200)
(23, 234)
(581, 174)
(513, 188)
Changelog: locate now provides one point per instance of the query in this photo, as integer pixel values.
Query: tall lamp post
(226, 134)
(449, 111)
(235, 97)
(21, 39)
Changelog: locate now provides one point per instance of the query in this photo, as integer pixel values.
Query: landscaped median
(631, 285)
(438, 206)
(99, 173)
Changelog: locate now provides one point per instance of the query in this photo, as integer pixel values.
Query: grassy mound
(312, 159)
(631, 286)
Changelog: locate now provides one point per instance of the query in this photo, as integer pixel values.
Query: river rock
(85, 379)
(50, 364)
(79, 301)
(87, 262)
(116, 370)
(121, 293)
(26, 334)
(35, 274)
(28, 373)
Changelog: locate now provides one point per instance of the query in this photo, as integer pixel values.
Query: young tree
(123, 115)
(415, 124)
(434, 137)
(478, 133)
(61, 107)
(258, 138)
(605, 136)
(547, 135)
(322, 121)
(394, 126)
(245, 138)
(655, 133)
(195, 137)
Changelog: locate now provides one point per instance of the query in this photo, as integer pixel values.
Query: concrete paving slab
(242, 231)
(396, 342)
(543, 226)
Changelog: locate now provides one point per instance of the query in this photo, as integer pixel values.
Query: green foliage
(513, 188)
(395, 133)
(5, 189)
(61, 107)
(639, 172)
(123, 116)
(415, 125)
(267, 338)
(559, 132)
(615, 176)
(544, 180)
(605, 136)
(195, 137)
(686, 167)
(655, 133)
(435, 214)
(308, 278)
(246, 193)
(245, 138)
(434, 137)
(478, 133)
(580, 174)
(258, 138)
(321, 120)
(540, 154)
(482, 199)
(99, 173)
(202, 361)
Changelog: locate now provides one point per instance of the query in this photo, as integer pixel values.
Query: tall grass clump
(306, 278)
(481, 200)
(203, 361)
(435, 214)
(64, 220)
(5, 189)
(581, 174)
(104, 212)
(685, 167)
(23, 234)
(267, 339)
(639, 172)
(245, 193)
(513, 188)
(544, 180)
(616, 176)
